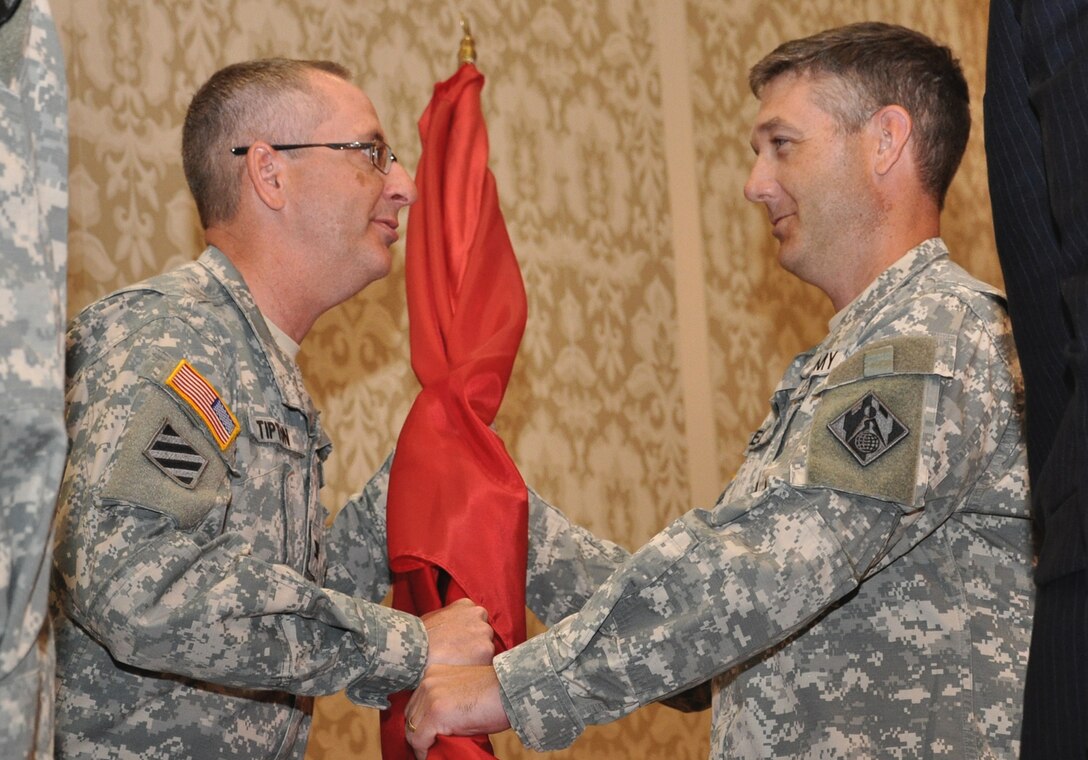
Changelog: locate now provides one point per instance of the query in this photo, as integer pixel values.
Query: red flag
(457, 508)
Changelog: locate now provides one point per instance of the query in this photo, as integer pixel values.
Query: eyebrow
(773, 124)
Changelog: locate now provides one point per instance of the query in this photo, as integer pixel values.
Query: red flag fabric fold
(457, 508)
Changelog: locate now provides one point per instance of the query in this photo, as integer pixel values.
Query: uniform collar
(284, 369)
(283, 340)
(859, 312)
(888, 281)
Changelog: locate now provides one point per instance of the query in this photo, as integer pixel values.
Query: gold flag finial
(467, 52)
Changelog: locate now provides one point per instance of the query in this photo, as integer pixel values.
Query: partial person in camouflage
(198, 603)
(33, 258)
(863, 587)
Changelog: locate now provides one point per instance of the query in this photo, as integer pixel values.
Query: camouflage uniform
(190, 557)
(862, 588)
(33, 255)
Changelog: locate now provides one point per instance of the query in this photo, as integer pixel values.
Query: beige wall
(659, 322)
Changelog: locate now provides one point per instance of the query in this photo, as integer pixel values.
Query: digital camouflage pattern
(863, 587)
(566, 563)
(193, 614)
(33, 257)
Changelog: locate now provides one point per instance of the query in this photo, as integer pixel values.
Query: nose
(760, 184)
(399, 186)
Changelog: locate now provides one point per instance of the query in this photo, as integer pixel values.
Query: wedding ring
(411, 725)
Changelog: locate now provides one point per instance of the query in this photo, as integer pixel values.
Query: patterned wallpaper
(604, 414)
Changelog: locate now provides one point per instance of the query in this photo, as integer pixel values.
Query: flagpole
(467, 51)
(467, 312)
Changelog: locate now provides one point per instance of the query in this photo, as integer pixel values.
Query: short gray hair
(269, 99)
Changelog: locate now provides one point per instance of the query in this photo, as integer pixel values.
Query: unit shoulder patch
(874, 418)
(868, 429)
(166, 463)
(866, 437)
(175, 456)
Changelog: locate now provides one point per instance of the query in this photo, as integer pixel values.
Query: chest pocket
(275, 503)
(874, 419)
(304, 517)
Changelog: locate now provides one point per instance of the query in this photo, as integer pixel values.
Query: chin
(786, 256)
(376, 259)
(791, 253)
(379, 271)
(385, 266)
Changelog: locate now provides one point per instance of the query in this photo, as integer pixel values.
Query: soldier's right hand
(459, 635)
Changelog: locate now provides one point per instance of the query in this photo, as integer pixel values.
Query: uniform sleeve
(717, 588)
(148, 571)
(33, 443)
(700, 596)
(566, 563)
(357, 551)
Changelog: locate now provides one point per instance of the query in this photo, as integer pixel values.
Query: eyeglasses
(381, 155)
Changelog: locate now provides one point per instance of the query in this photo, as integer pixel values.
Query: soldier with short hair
(862, 588)
(199, 604)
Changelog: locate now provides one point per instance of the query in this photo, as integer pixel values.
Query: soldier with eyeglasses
(199, 603)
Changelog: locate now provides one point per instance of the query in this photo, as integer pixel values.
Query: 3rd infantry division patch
(175, 457)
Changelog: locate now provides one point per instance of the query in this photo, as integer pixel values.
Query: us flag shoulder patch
(203, 398)
(175, 456)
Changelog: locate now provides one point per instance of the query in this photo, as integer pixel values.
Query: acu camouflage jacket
(863, 587)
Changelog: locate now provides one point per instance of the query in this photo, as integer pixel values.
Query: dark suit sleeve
(1036, 123)
(1036, 119)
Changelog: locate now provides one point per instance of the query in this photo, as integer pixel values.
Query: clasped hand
(459, 694)
(459, 634)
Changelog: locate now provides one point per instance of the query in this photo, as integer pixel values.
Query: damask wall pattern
(585, 154)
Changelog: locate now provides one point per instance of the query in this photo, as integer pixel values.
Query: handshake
(459, 693)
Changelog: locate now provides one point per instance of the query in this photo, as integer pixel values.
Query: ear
(266, 173)
(893, 125)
